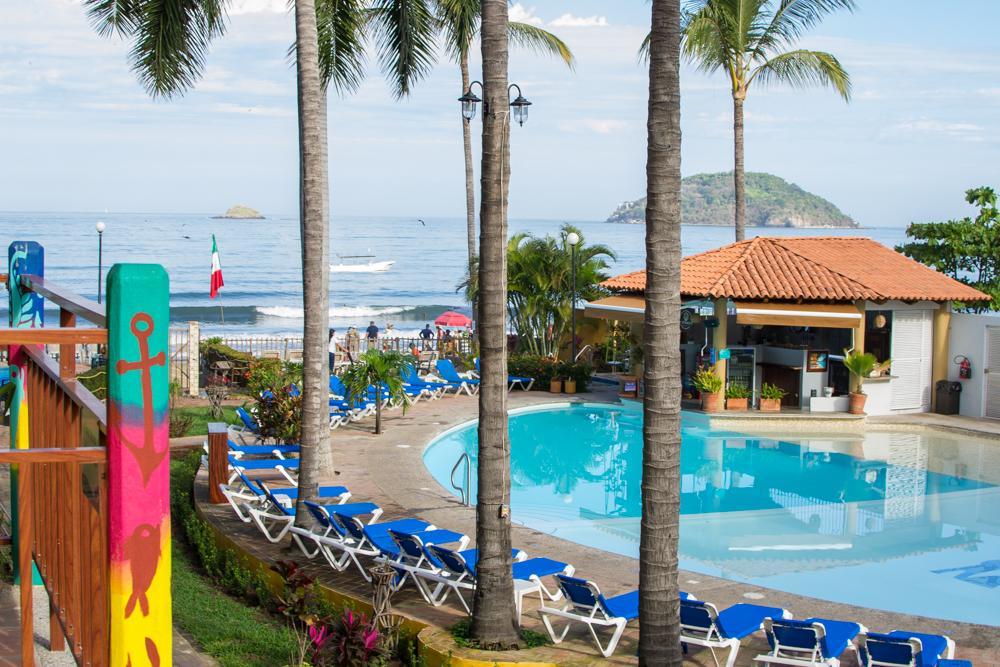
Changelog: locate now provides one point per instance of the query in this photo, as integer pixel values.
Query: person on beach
(372, 332)
(333, 350)
(353, 342)
(426, 334)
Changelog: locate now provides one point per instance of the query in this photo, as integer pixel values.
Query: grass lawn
(202, 415)
(223, 627)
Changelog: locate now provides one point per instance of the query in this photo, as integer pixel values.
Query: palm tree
(459, 20)
(493, 622)
(376, 368)
(169, 45)
(659, 625)
(747, 41)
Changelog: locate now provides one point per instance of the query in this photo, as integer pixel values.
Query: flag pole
(222, 313)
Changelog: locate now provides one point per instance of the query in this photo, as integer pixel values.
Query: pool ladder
(466, 491)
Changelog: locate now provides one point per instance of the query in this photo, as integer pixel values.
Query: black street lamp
(573, 239)
(518, 106)
(100, 255)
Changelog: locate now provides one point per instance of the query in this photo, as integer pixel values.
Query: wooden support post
(218, 461)
(859, 340)
(57, 640)
(194, 359)
(720, 336)
(67, 351)
(138, 466)
(939, 353)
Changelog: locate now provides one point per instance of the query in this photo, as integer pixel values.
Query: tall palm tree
(459, 21)
(747, 39)
(493, 622)
(170, 41)
(659, 625)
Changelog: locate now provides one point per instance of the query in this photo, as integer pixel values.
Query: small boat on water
(371, 266)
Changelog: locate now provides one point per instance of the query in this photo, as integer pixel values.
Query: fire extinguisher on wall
(964, 367)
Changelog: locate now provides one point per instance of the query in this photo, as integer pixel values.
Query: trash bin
(948, 395)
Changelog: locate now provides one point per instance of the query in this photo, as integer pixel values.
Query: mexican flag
(217, 281)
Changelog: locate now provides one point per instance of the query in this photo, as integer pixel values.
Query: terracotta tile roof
(808, 269)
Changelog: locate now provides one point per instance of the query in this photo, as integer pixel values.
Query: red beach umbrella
(452, 319)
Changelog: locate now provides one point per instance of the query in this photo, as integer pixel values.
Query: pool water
(901, 521)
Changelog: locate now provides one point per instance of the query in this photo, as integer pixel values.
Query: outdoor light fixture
(573, 239)
(518, 106)
(100, 255)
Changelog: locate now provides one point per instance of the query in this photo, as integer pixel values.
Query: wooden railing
(61, 480)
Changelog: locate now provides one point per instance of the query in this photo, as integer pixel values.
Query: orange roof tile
(808, 269)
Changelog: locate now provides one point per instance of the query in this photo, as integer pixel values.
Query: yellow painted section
(720, 335)
(137, 631)
(939, 351)
(859, 340)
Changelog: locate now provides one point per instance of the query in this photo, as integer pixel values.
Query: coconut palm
(376, 368)
(493, 622)
(459, 20)
(659, 627)
(170, 42)
(747, 39)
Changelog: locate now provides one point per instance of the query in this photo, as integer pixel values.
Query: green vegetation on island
(240, 212)
(708, 199)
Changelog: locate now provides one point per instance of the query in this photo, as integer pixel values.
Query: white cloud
(521, 14)
(257, 110)
(239, 7)
(595, 125)
(570, 21)
(960, 130)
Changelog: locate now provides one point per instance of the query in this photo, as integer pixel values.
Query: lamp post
(100, 255)
(573, 239)
(518, 106)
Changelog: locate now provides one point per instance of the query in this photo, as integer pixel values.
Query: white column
(193, 358)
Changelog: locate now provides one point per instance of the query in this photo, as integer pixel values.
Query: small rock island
(239, 212)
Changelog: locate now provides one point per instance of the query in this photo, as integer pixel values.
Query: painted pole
(26, 310)
(139, 465)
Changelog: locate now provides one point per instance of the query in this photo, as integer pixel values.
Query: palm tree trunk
(659, 626)
(313, 216)
(493, 621)
(739, 175)
(378, 417)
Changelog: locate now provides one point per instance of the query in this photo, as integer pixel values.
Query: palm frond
(708, 38)
(341, 28)
(404, 33)
(171, 41)
(539, 40)
(459, 22)
(802, 68)
(113, 17)
(793, 17)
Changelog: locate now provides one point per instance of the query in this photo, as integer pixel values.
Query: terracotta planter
(770, 405)
(711, 402)
(555, 386)
(737, 404)
(857, 405)
(569, 387)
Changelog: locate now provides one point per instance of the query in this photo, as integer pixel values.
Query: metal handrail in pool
(466, 492)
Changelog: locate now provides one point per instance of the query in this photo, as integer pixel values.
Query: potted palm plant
(770, 397)
(376, 368)
(862, 365)
(709, 385)
(737, 396)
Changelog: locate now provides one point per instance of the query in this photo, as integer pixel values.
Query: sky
(78, 133)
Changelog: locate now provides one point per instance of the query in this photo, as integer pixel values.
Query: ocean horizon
(262, 269)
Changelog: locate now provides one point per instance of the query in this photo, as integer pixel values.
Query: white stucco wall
(967, 337)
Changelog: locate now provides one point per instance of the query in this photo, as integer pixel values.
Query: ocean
(261, 262)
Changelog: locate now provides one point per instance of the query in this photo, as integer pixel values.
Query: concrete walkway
(389, 470)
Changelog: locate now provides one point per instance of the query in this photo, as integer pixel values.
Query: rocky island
(707, 199)
(239, 212)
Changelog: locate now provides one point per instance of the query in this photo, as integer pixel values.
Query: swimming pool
(901, 521)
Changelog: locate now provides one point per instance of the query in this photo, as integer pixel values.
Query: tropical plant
(493, 622)
(540, 286)
(861, 365)
(772, 392)
(459, 22)
(747, 40)
(278, 413)
(170, 42)
(738, 390)
(707, 381)
(544, 369)
(351, 641)
(377, 368)
(968, 249)
(659, 613)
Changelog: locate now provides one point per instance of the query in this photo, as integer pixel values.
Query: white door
(993, 372)
(912, 334)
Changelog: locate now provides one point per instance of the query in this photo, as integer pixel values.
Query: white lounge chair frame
(596, 617)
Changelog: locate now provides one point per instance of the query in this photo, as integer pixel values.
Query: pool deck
(389, 470)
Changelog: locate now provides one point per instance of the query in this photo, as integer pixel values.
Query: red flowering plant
(353, 641)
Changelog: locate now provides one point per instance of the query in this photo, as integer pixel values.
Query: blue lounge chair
(240, 450)
(275, 519)
(4, 375)
(437, 389)
(447, 371)
(704, 625)
(810, 643)
(248, 426)
(251, 494)
(586, 604)
(527, 574)
(282, 466)
(372, 540)
(525, 383)
(954, 663)
(900, 648)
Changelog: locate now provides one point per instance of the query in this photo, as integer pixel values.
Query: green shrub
(772, 392)
(706, 381)
(545, 369)
(738, 390)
